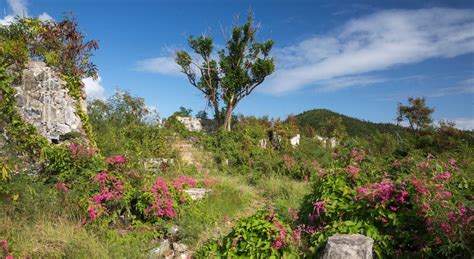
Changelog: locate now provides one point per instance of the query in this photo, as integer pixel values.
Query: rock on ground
(197, 193)
(349, 247)
(170, 250)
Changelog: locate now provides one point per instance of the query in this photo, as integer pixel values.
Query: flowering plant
(160, 200)
(262, 235)
(408, 207)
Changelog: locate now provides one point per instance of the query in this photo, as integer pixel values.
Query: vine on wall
(61, 46)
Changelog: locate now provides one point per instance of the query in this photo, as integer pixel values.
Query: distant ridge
(354, 127)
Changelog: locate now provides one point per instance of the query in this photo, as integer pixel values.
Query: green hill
(355, 127)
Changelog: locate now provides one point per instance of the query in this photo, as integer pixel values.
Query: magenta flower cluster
(111, 189)
(80, 152)
(281, 233)
(61, 187)
(163, 204)
(117, 162)
(357, 155)
(184, 182)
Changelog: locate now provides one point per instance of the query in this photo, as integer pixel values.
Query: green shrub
(409, 208)
(261, 236)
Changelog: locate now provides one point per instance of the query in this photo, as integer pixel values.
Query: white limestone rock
(354, 246)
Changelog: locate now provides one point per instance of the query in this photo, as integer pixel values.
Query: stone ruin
(196, 124)
(44, 101)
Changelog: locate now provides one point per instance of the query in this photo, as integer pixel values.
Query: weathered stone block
(349, 247)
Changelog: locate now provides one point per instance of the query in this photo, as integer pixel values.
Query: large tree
(238, 69)
(416, 113)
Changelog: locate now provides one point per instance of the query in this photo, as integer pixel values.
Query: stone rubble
(170, 250)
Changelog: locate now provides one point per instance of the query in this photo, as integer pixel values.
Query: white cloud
(160, 65)
(20, 8)
(465, 86)
(94, 88)
(348, 81)
(373, 43)
(7, 20)
(464, 123)
(45, 17)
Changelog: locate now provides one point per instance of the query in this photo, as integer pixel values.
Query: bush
(261, 235)
(409, 208)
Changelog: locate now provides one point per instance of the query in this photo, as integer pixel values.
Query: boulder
(354, 246)
(295, 141)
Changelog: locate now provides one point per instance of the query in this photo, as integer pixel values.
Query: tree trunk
(228, 117)
(217, 114)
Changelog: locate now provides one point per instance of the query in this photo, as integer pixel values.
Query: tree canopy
(238, 69)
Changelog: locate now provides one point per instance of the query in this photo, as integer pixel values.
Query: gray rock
(195, 124)
(180, 248)
(163, 251)
(349, 247)
(43, 102)
(197, 193)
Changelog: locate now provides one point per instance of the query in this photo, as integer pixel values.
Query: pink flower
(184, 182)
(61, 187)
(101, 177)
(444, 176)
(447, 193)
(118, 162)
(451, 216)
(353, 171)
(357, 155)
(319, 207)
(446, 227)
(422, 165)
(321, 173)
(92, 212)
(397, 163)
(281, 236)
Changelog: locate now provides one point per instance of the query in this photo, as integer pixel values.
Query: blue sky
(356, 58)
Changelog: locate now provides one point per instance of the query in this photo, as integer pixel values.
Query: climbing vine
(24, 135)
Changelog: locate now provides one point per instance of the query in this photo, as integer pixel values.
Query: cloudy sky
(359, 58)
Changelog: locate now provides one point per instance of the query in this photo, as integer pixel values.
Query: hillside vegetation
(123, 189)
(317, 118)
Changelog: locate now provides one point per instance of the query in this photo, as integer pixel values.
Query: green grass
(283, 193)
(205, 219)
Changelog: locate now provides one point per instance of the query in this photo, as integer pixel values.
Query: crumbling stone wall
(44, 102)
(196, 124)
